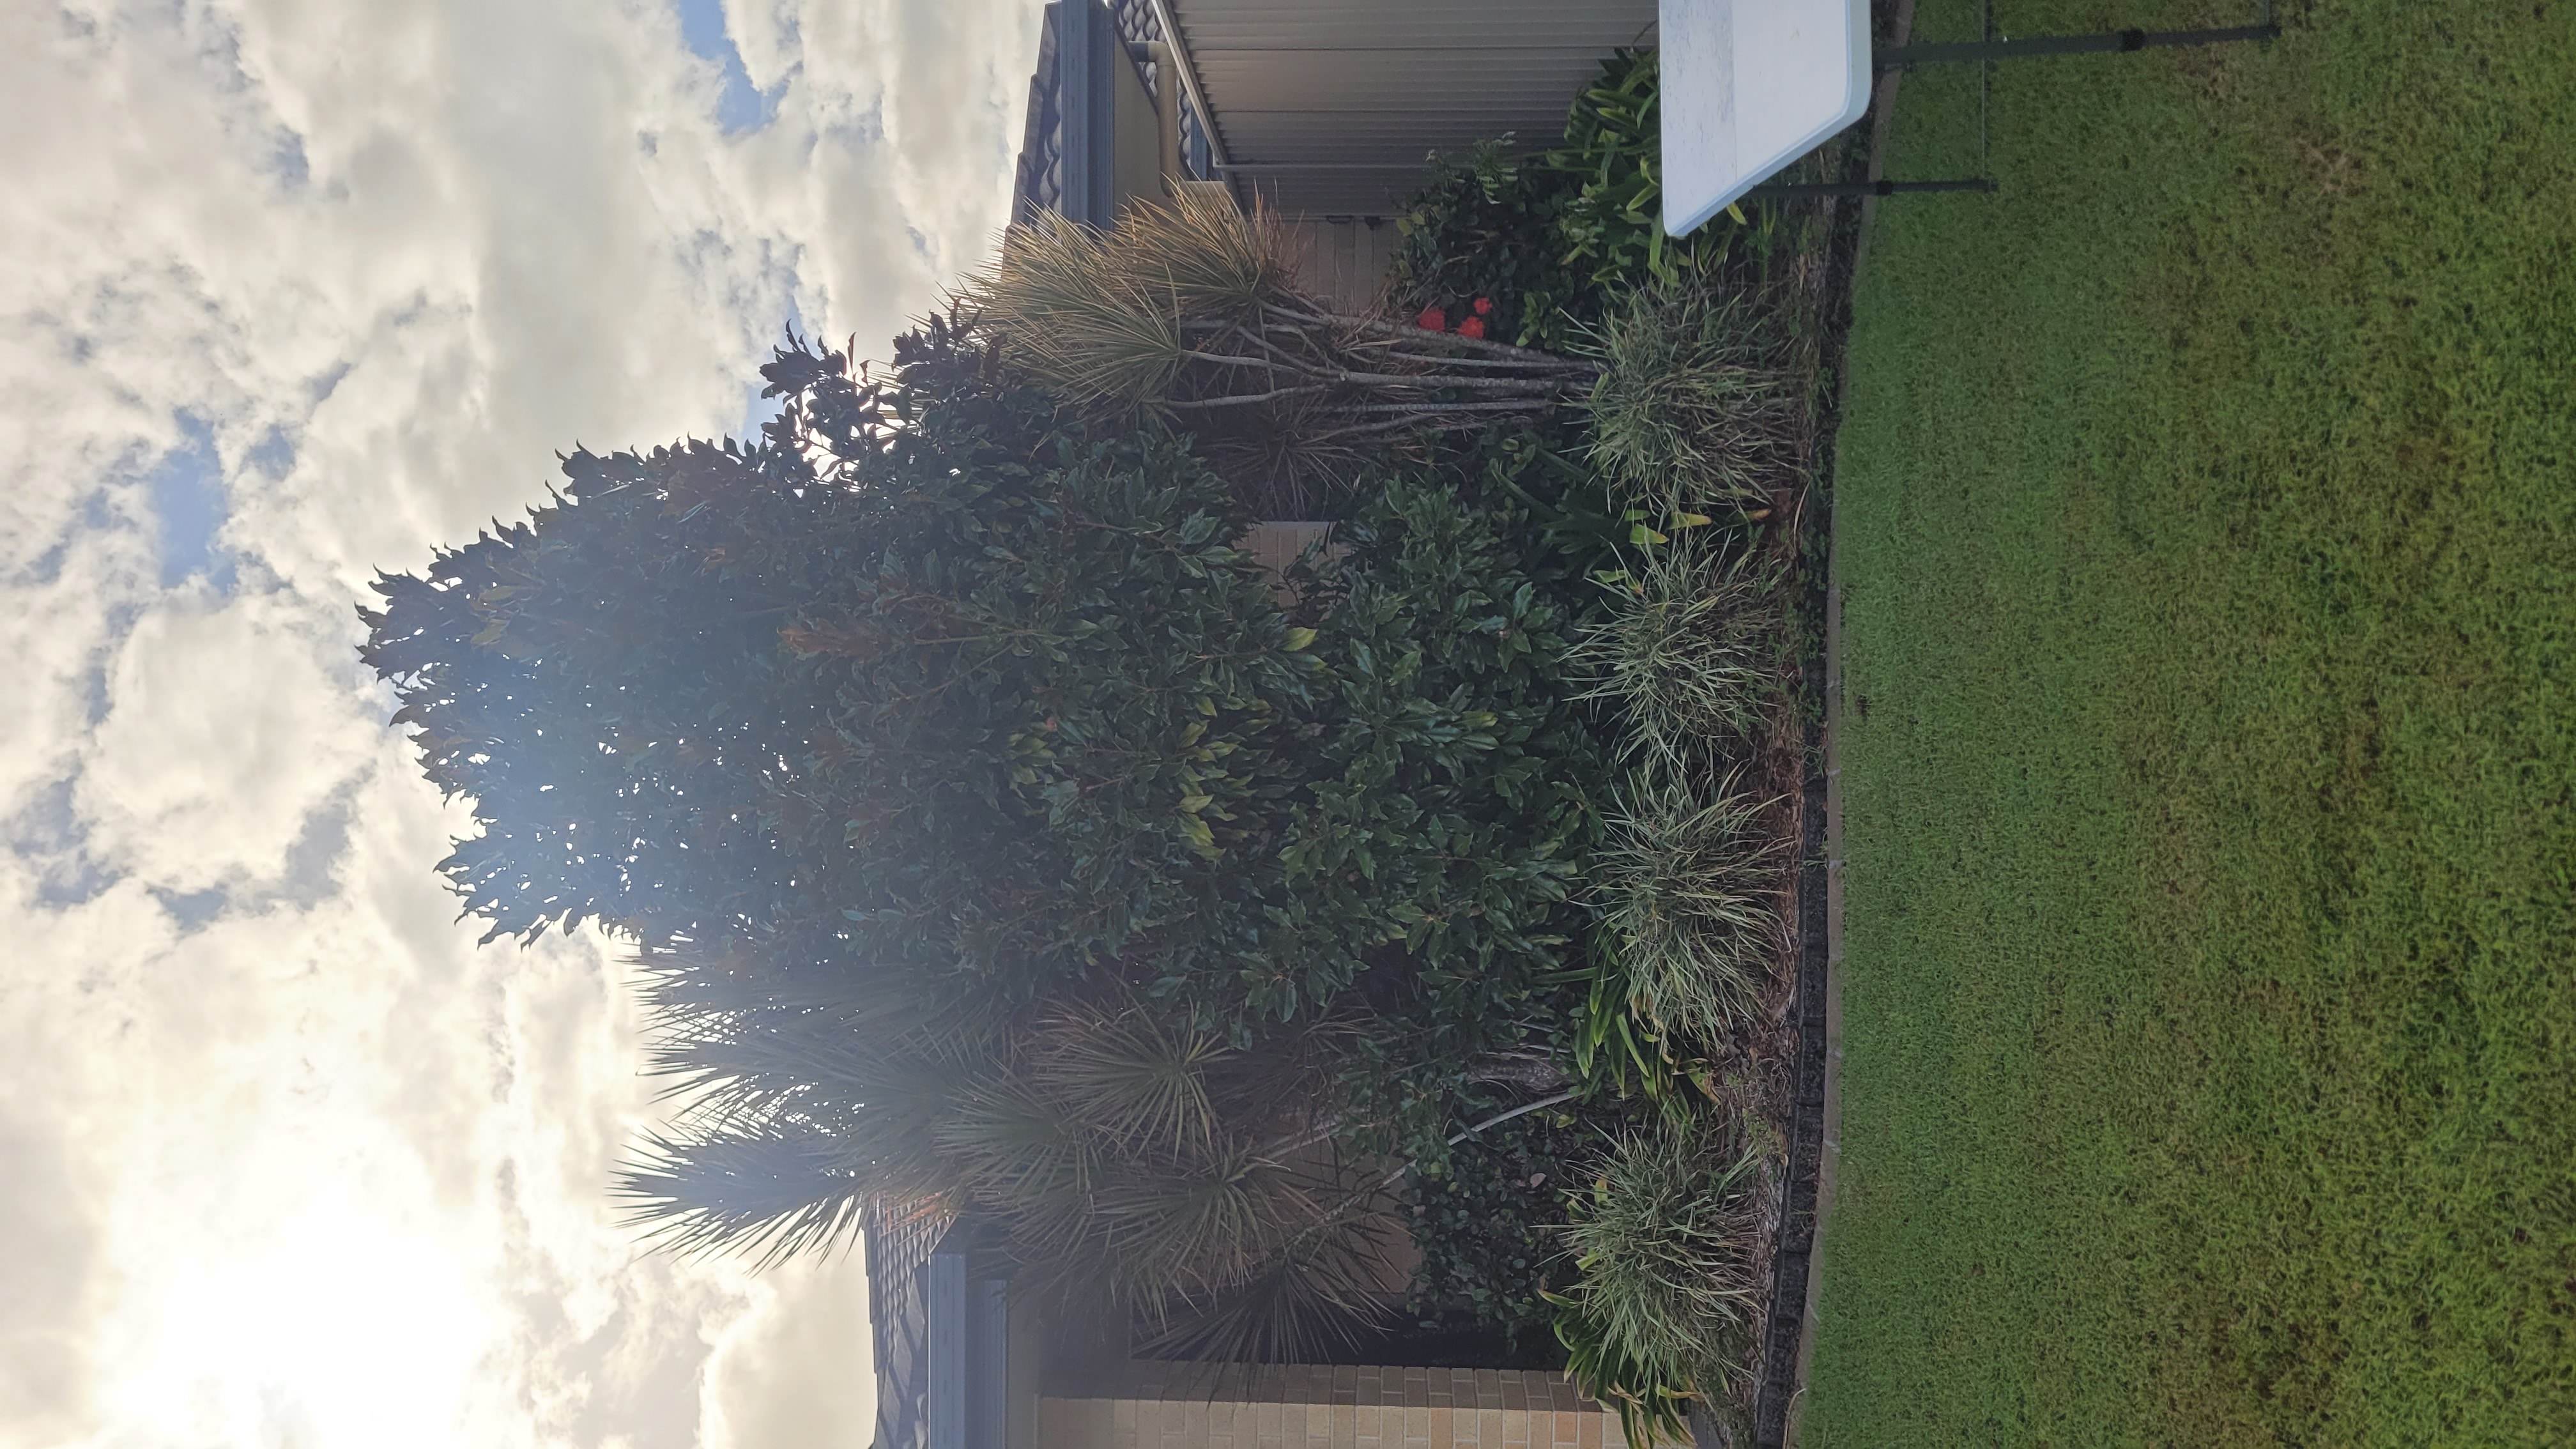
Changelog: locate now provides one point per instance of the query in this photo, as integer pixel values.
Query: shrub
(1485, 226)
(1688, 651)
(1125, 1157)
(1612, 225)
(1489, 1223)
(1464, 795)
(1554, 237)
(1193, 313)
(1691, 888)
(1695, 407)
(935, 726)
(1671, 1295)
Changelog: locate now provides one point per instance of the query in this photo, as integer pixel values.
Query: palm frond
(1074, 318)
(1310, 1296)
(1193, 313)
(1205, 258)
(772, 1194)
(1131, 1075)
(1024, 1152)
(1198, 1226)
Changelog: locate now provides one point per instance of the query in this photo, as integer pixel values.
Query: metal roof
(1331, 107)
(898, 1262)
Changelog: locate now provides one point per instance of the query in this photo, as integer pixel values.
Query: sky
(291, 291)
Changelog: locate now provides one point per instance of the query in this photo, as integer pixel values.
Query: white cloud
(294, 291)
(231, 724)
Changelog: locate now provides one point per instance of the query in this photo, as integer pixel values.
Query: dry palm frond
(1193, 312)
(1668, 1244)
(1692, 887)
(1015, 1148)
(1199, 1225)
(773, 1193)
(1086, 328)
(1123, 1152)
(1136, 1079)
(1312, 1294)
(1206, 260)
(1688, 652)
(1694, 407)
(1244, 1256)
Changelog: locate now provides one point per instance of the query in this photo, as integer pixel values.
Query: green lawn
(2207, 504)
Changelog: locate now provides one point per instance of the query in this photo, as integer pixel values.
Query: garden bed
(1766, 1074)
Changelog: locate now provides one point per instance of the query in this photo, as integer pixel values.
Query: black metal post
(1785, 190)
(1900, 57)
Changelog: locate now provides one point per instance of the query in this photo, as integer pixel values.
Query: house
(961, 1363)
(1325, 111)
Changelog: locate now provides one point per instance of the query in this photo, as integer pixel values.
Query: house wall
(1327, 107)
(1024, 1374)
(1194, 1406)
(1136, 141)
(1345, 259)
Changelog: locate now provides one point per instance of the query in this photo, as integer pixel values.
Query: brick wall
(1189, 1406)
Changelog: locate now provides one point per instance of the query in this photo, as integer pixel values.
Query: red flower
(1472, 327)
(1432, 320)
(1484, 306)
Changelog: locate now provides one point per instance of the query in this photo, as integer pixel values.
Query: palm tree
(1193, 313)
(1200, 1187)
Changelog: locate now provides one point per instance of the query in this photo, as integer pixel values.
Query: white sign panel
(1750, 86)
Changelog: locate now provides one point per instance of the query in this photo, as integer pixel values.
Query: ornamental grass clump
(1688, 651)
(1691, 885)
(1668, 1240)
(1695, 407)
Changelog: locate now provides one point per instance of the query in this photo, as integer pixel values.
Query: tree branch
(1496, 1120)
(1242, 399)
(1375, 328)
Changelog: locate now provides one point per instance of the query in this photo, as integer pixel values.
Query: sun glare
(344, 1328)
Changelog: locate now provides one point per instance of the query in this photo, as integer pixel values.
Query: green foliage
(1695, 407)
(1669, 1298)
(995, 843)
(1694, 411)
(1489, 1221)
(1464, 779)
(1554, 238)
(513, 658)
(1694, 888)
(1064, 732)
(1612, 226)
(1690, 651)
(1485, 226)
(1016, 714)
(1652, 1398)
(1616, 1051)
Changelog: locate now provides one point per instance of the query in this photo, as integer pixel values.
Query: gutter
(1188, 71)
